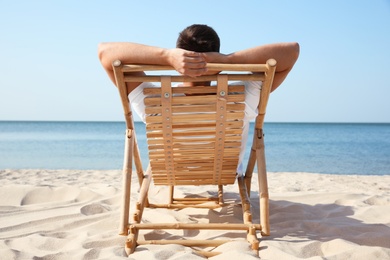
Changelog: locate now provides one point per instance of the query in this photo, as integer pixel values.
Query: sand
(70, 214)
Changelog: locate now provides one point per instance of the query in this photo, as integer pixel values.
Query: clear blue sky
(50, 70)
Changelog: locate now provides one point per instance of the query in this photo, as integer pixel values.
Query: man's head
(199, 38)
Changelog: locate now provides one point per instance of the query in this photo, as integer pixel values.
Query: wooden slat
(158, 163)
(195, 108)
(183, 148)
(196, 179)
(189, 162)
(190, 146)
(192, 100)
(180, 167)
(191, 176)
(194, 132)
(210, 66)
(194, 90)
(192, 164)
(205, 176)
(200, 165)
(232, 77)
(207, 173)
(182, 175)
(183, 155)
(195, 182)
(198, 140)
(184, 131)
(196, 168)
(194, 140)
(181, 118)
(229, 124)
(197, 226)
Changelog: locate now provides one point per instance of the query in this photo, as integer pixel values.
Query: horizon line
(138, 121)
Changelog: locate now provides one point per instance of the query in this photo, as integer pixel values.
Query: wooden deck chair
(194, 138)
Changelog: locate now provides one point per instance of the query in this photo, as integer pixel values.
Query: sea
(330, 148)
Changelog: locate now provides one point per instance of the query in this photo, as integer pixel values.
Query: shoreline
(80, 170)
(74, 214)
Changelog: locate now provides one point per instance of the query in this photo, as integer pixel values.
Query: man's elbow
(292, 55)
(289, 57)
(104, 56)
(295, 50)
(101, 49)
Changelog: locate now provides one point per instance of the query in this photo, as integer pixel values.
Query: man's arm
(286, 54)
(185, 62)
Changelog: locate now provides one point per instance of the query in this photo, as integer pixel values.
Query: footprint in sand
(93, 209)
(377, 200)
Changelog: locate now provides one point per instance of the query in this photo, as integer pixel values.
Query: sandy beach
(70, 214)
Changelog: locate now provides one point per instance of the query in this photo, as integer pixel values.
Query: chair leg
(143, 197)
(171, 194)
(246, 206)
(131, 242)
(250, 166)
(247, 216)
(220, 195)
(253, 240)
(263, 184)
(127, 172)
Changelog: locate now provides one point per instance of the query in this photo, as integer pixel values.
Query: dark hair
(199, 38)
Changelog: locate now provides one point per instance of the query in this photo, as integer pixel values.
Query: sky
(49, 69)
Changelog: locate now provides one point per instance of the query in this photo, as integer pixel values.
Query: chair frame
(264, 73)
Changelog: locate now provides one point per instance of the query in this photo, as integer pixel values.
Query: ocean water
(335, 148)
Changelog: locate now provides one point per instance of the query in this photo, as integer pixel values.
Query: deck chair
(194, 138)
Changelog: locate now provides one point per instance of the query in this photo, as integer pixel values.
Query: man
(196, 46)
